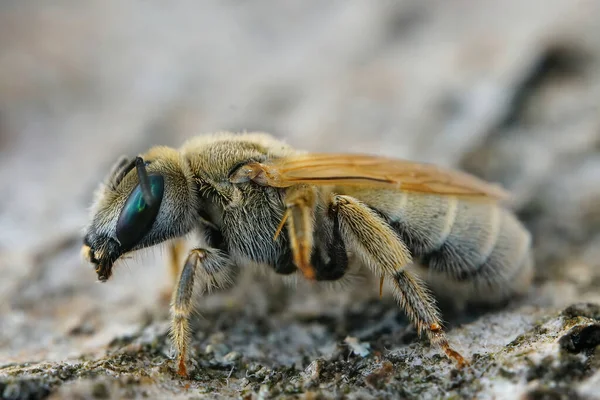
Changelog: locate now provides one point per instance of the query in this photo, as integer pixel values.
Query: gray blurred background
(508, 90)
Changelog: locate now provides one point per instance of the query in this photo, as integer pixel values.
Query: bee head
(144, 201)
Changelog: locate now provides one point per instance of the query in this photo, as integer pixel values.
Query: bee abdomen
(510, 262)
(463, 239)
(424, 222)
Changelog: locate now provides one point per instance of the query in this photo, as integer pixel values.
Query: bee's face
(126, 219)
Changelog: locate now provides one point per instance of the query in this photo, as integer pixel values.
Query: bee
(252, 199)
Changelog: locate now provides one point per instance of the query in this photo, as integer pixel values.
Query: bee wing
(351, 169)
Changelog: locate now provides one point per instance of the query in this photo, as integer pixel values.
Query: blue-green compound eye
(137, 216)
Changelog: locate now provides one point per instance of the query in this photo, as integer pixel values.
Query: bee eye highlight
(137, 216)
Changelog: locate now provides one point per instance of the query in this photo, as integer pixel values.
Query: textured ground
(507, 90)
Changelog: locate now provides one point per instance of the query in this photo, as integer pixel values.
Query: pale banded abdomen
(464, 239)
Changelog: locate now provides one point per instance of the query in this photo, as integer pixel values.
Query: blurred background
(507, 90)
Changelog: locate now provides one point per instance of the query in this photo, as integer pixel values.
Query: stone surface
(507, 90)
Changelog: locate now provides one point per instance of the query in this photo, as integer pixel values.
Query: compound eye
(137, 216)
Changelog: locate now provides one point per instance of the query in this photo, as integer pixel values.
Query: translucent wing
(356, 169)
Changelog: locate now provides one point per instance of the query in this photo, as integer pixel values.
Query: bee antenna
(121, 169)
(140, 166)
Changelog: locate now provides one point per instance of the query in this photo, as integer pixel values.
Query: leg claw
(182, 370)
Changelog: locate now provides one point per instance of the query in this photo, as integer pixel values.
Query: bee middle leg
(330, 268)
(384, 251)
(212, 269)
(299, 216)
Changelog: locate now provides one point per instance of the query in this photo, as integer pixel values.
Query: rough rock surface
(507, 90)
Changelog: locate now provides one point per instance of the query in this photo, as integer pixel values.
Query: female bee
(255, 200)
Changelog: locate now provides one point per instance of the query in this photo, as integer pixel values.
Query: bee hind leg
(382, 249)
(204, 270)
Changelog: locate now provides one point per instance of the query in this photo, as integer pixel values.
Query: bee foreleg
(175, 252)
(214, 272)
(300, 203)
(387, 255)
